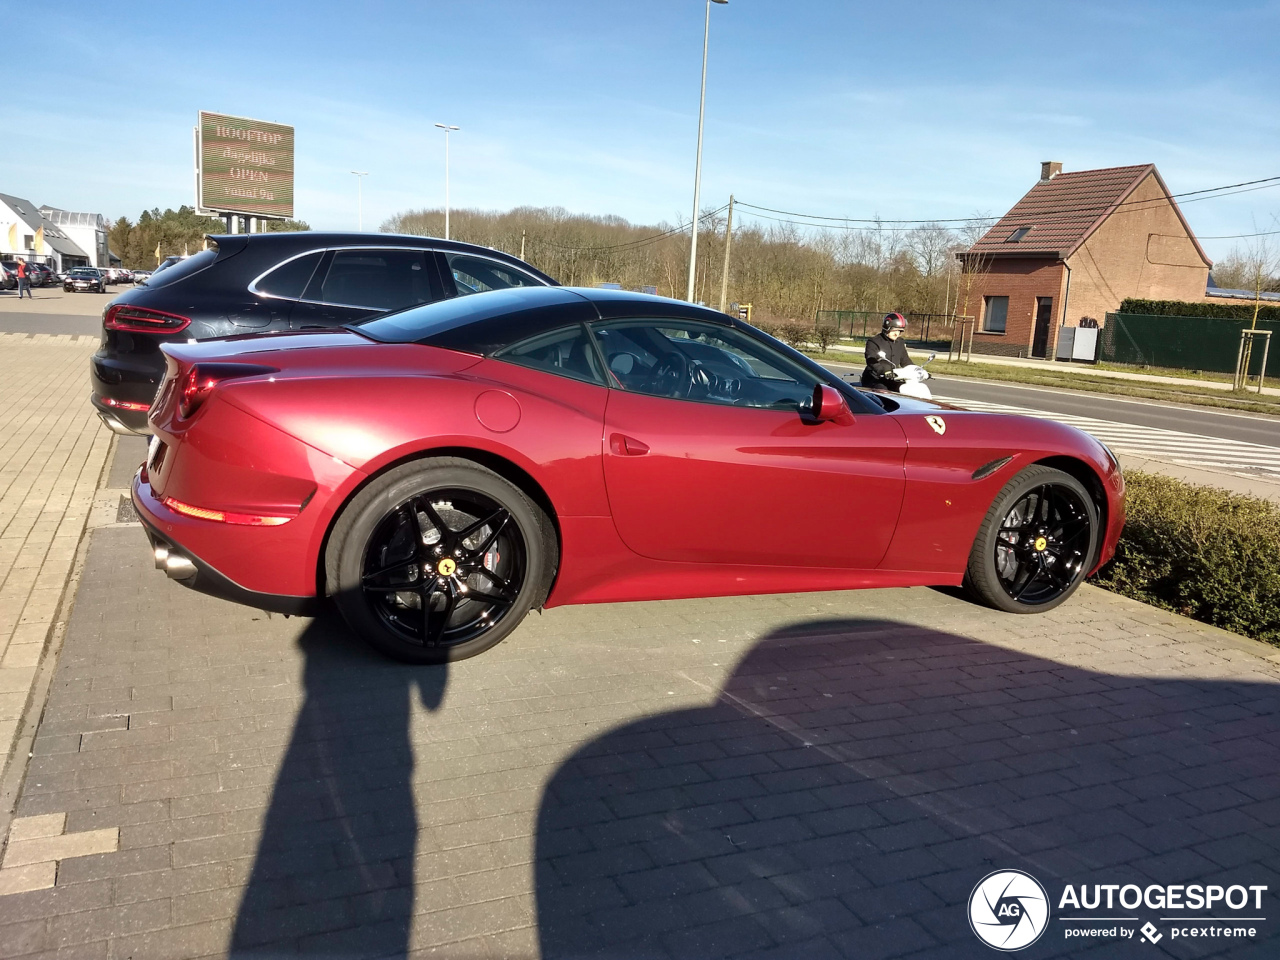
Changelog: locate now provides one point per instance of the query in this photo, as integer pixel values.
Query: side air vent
(987, 469)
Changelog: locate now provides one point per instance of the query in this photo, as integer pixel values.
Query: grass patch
(1071, 377)
(1200, 552)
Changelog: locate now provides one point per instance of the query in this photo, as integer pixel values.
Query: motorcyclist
(886, 355)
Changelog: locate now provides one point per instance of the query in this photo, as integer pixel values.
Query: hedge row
(1201, 552)
(1240, 310)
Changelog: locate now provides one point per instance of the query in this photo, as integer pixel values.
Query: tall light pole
(697, 173)
(447, 130)
(360, 175)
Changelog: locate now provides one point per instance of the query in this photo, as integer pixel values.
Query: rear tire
(439, 560)
(1035, 544)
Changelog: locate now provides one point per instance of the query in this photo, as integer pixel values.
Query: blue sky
(902, 110)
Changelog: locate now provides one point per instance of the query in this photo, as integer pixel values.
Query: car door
(354, 283)
(710, 457)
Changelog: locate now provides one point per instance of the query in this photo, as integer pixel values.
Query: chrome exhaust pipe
(115, 426)
(178, 567)
(161, 555)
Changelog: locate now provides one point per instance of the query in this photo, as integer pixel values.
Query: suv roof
(287, 242)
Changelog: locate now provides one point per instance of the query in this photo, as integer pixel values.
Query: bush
(823, 337)
(1240, 310)
(793, 333)
(1201, 552)
(767, 326)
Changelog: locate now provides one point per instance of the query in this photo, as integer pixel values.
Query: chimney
(1050, 169)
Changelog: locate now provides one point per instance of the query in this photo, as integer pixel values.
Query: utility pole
(521, 244)
(697, 171)
(448, 129)
(728, 238)
(360, 175)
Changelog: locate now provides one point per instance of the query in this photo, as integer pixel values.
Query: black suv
(263, 283)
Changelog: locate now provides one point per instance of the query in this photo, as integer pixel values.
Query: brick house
(1074, 247)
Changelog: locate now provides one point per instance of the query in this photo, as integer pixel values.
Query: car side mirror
(829, 405)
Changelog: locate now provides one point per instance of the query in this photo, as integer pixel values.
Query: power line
(681, 228)
(1267, 181)
(1243, 236)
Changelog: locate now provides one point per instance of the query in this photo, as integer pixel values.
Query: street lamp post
(360, 175)
(447, 130)
(697, 172)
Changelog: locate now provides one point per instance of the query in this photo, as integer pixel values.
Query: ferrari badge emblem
(446, 567)
(939, 425)
(1041, 543)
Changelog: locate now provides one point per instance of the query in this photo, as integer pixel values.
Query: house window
(995, 314)
(1017, 235)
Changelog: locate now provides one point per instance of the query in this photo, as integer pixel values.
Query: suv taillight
(143, 320)
(203, 377)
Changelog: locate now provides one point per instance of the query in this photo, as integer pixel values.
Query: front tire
(439, 560)
(1035, 544)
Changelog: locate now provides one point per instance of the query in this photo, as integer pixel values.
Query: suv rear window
(290, 279)
(480, 274)
(182, 269)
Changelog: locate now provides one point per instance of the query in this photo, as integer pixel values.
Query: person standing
(24, 281)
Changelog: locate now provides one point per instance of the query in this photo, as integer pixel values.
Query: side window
(290, 278)
(378, 279)
(996, 314)
(478, 274)
(687, 360)
(565, 352)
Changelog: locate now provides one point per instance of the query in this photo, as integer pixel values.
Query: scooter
(912, 378)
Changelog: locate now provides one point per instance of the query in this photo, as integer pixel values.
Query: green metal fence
(1182, 343)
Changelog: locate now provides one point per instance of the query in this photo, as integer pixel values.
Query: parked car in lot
(8, 276)
(41, 274)
(87, 279)
(258, 283)
(442, 470)
(140, 275)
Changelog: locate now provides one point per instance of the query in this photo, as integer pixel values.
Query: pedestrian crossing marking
(1237, 457)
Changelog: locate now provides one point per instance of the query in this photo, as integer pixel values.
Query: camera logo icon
(1008, 910)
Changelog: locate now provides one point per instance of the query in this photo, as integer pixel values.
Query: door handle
(624, 446)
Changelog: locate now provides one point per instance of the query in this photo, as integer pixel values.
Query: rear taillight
(143, 320)
(125, 404)
(224, 516)
(203, 377)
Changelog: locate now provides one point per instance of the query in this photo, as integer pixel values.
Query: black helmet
(894, 321)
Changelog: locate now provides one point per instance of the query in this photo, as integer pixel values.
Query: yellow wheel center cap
(446, 567)
(1041, 543)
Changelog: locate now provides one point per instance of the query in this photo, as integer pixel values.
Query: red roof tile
(1064, 211)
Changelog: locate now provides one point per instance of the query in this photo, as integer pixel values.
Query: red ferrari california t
(440, 471)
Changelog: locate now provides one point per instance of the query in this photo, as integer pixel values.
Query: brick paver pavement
(810, 775)
(52, 454)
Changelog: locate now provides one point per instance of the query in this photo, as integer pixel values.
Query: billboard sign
(244, 166)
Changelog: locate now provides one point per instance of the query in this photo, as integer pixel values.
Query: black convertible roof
(486, 322)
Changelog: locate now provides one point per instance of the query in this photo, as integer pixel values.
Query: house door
(1044, 317)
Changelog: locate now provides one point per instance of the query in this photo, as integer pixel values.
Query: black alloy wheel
(439, 560)
(1036, 544)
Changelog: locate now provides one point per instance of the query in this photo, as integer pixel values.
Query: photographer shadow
(852, 781)
(334, 869)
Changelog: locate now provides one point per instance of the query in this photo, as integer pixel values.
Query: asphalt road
(13, 321)
(1202, 421)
